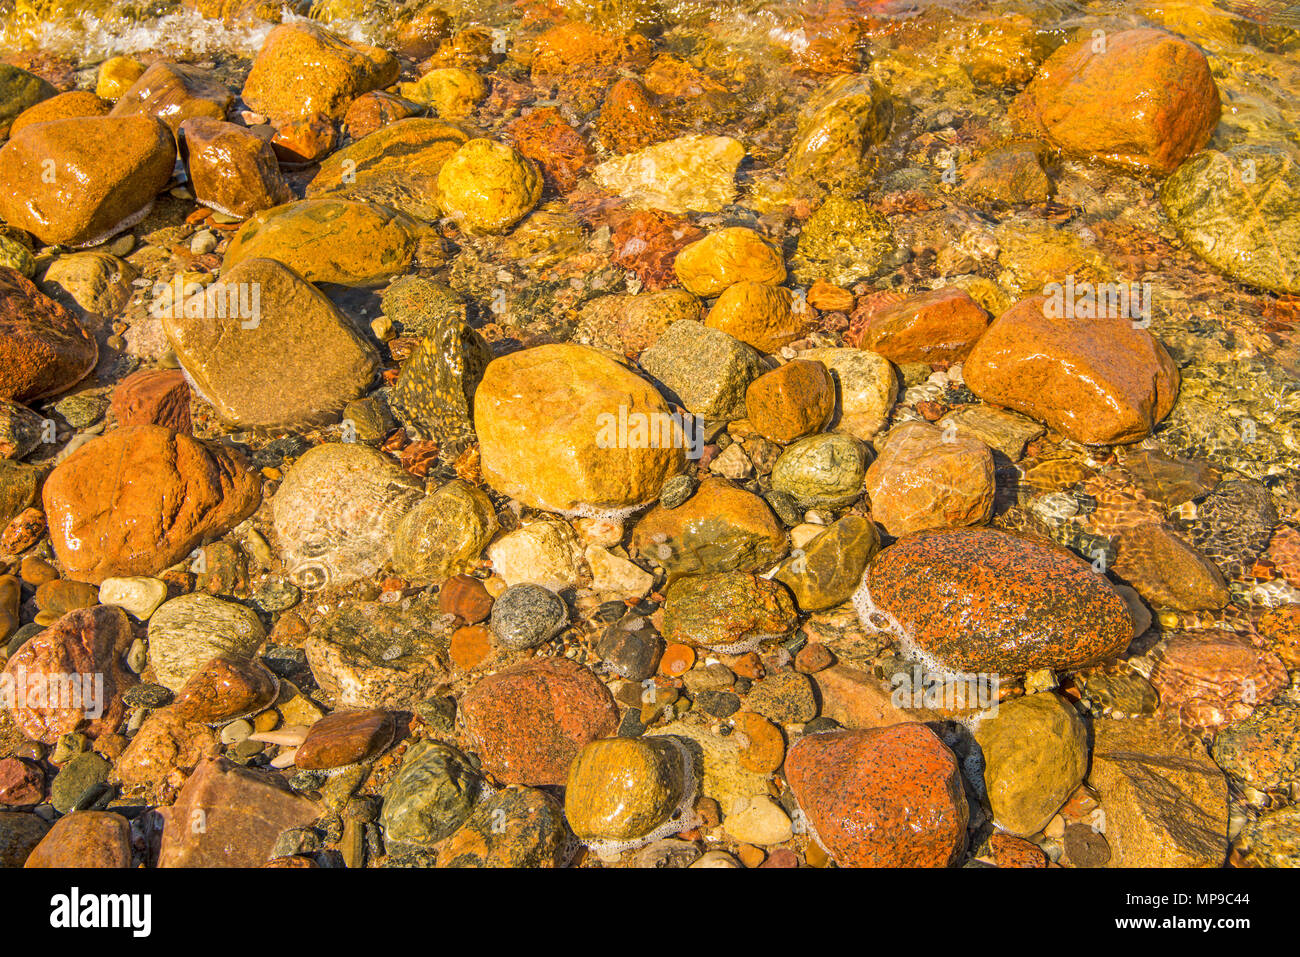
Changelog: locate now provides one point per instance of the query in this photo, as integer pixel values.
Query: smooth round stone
(466, 598)
(276, 595)
(444, 533)
(237, 732)
(138, 596)
(526, 615)
(762, 823)
(188, 632)
(226, 688)
(147, 696)
(826, 570)
(75, 778)
(345, 737)
(60, 597)
(431, 796)
(625, 789)
(822, 471)
(677, 490)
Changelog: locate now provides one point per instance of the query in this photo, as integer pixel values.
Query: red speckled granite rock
(43, 348)
(883, 797)
(1094, 380)
(88, 643)
(97, 839)
(1139, 98)
(154, 397)
(530, 721)
(140, 498)
(1213, 678)
(546, 138)
(345, 737)
(981, 600)
(1009, 851)
(241, 811)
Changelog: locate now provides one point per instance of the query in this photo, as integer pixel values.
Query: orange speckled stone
(981, 600)
(884, 797)
(1009, 851)
(530, 721)
(1281, 626)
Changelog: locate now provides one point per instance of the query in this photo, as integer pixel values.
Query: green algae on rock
(1236, 209)
(838, 126)
(843, 242)
(336, 241)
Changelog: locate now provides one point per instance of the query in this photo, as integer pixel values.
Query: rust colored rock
(141, 498)
(857, 699)
(884, 797)
(22, 783)
(629, 119)
(153, 397)
(241, 811)
(547, 138)
(1139, 98)
(1213, 678)
(61, 107)
(647, 242)
(1281, 626)
(174, 93)
(925, 478)
(1021, 604)
(232, 170)
(375, 110)
(44, 350)
(163, 753)
(280, 86)
(470, 646)
(23, 532)
(466, 598)
(345, 737)
(938, 326)
(1094, 380)
(106, 172)
(224, 689)
(95, 839)
(75, 666)
(530, 721)
(304, 140)
(791, 401)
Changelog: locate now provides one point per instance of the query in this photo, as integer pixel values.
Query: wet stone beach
(614, 433)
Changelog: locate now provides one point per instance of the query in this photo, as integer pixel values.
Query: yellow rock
(725, 257)
(760, 315)
(487, 186)
(117, 75)
(300, 710)
(622, 789)
(567, 428)
(452, 93)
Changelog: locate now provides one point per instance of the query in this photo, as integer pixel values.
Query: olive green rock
(707, 370)
(837, 127)
(19, 90)
(17, 256)
(75, 778)
(825, 470)
(727, 610)
(843, 242)
(434, 394)
(444, 534)
(1035, 755)
(622, 789)
(828, 569)
(431, 796)
(1236, 209)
